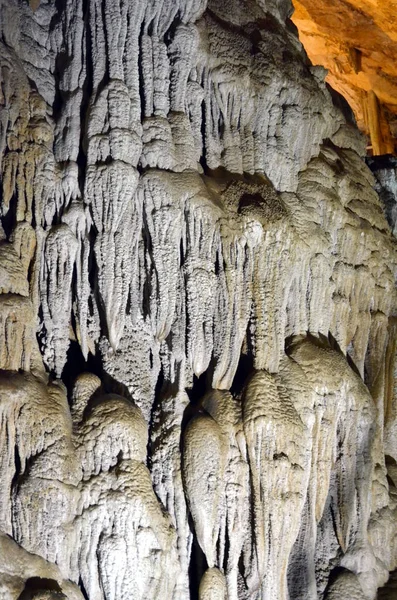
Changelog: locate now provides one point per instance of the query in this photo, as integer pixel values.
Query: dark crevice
(197, 566)
(62, 62)
(384, 161)
(334, 575)
(244, 369)
(17, 467)
(105, 78)
(181, 254)
(198, 389)
(141, 76)
(111, 385)
(87, 89)
(156, 408)
(335, 346)
(150, 28)
(147, 290)
(41, 331)
(170, 33)
(76, 364)
(217, 267)
(100, 304)
(384, 168)
(82, 589)
(128, 306)
(196, 393)
(248, 200)
(34, 585)
(9, 220)
(342, 104)
(203, 161)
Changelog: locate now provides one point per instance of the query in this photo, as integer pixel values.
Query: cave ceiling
(356, 41)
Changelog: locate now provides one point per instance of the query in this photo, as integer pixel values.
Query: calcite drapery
(197, 293)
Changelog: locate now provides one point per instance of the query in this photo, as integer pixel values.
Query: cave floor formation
(198, 311)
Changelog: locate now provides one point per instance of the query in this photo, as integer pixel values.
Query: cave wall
(197, 312)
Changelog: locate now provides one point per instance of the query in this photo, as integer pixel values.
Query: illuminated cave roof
(356, 40)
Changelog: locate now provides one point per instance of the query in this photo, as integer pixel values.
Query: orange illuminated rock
(356, 40)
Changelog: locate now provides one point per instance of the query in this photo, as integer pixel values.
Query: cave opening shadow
(36, 587)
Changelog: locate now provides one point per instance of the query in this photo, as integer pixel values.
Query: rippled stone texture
(197, 312)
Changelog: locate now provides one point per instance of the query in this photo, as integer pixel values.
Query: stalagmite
(212, 585)
(197, 311)
(204, 463)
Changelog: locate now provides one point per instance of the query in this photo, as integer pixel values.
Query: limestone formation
(197, 311)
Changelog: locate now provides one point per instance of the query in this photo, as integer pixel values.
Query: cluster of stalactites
(160, 97)
(181, 198)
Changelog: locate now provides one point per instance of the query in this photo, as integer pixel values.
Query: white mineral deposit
(198, 333)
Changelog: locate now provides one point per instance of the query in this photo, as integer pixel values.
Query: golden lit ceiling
(356, 40)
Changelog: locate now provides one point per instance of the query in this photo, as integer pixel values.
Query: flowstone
(197, 312)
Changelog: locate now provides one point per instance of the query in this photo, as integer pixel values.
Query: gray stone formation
(197, 312)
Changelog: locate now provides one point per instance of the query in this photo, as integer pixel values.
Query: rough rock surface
(197, 312)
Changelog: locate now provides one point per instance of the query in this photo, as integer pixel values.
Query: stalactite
(197, 312)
